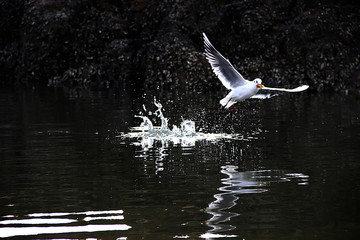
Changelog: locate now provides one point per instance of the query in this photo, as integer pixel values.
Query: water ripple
(238, 183)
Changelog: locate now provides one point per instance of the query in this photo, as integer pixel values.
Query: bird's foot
(223, 107)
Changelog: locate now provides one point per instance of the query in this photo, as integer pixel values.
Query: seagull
(240, 88)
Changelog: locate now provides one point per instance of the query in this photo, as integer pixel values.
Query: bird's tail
(226, 101)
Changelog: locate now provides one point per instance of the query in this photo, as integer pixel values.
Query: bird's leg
(233, 110)
(226, 104)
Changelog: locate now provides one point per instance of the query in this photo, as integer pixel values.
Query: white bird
(241, 88)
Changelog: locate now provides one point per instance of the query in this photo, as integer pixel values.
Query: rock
(158, 45)
(11, 13)
(171, 61)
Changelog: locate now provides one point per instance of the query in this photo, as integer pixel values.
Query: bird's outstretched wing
(223, 69)
(298, 89)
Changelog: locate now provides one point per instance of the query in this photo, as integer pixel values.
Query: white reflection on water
(59, 214)
(57, 219)
(26, 231)
(237, 183)
(38, 221)
(214, 235)
(182, 237)
(88, 219)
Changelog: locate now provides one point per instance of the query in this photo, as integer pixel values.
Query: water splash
(184, 135)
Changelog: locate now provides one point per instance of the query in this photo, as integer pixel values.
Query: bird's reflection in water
(235, 184)
(238, 183)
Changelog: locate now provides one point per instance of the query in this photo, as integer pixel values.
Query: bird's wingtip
(204, 36)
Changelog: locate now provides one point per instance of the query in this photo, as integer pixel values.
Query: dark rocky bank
(158, 44)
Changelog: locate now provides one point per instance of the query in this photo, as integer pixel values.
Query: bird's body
(239, 94)
(240, 88)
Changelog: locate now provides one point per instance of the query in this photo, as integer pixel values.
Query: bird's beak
(259, 86)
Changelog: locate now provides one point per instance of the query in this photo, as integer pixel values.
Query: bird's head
(258, 81)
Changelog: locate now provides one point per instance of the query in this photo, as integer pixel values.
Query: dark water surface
(65, 172)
